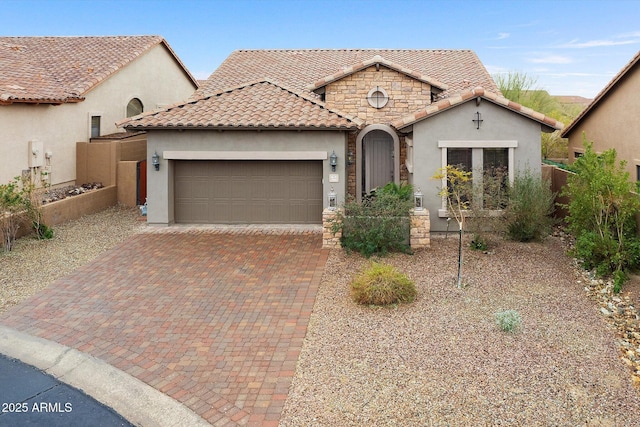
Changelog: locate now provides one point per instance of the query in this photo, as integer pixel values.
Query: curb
(134, 400)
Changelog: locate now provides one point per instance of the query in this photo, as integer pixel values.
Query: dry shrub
(381, 284)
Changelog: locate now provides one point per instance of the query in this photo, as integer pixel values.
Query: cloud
(574, 44)
(618, 40)
(502, 36)
(551, 59)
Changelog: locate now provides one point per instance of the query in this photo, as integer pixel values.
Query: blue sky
(572, 47)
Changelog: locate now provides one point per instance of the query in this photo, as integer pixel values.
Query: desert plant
(479, 242)
(508, 320)
(381, 284)
(458, 193)
(379, 224)
(12, 212)
(602, 211)
(527, 215)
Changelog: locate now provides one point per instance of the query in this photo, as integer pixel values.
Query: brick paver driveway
(214, 320)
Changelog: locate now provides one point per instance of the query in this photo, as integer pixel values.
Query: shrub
(479, 242)
(527, 215)
(508, 320)
(382, 285)
(602, 214)
(379, 224)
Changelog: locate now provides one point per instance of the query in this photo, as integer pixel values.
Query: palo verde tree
(458, 193)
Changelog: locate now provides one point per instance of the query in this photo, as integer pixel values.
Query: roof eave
(603, 93)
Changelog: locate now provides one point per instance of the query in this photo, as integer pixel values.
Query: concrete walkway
(211, 318)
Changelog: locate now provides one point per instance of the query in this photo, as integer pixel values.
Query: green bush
(508, 320)
(382, 285)
(379, 224)
(602, 211)
(527, 215)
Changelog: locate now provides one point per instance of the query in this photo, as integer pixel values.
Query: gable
(350, 94)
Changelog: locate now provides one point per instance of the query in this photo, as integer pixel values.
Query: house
(272, 133)
(611, 120)
(58, 91)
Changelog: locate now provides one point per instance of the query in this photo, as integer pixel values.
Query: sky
(570, 47)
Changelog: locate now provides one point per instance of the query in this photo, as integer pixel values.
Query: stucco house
(611, 120)
(272, 133)
(58, 91)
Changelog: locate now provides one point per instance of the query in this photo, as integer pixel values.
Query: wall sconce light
(333, 199)
(477, 120)
(350, 158)
(155, 160)
(418, 199)
(333, 161)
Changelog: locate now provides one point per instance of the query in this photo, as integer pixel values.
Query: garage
(248, 191)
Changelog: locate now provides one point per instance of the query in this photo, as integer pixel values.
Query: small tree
(12, 212)
(602, 212)
(457, 192)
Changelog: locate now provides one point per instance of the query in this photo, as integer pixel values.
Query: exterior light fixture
(478, 119)
(418, 199)
(333, 199)
(333, 161)
(155, 160)
(350, 158)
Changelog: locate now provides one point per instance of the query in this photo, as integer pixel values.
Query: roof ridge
(377, 59)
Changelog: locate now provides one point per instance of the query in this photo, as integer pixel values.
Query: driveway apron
(215, 320)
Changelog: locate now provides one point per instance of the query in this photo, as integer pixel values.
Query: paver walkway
(212, 319)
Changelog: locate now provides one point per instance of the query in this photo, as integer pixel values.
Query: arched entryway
(377, 158)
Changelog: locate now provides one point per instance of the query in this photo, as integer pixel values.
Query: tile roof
(63, 69)
(457, 70)
(603, 93)
(469, 95)
(257, 105)
(376, 60)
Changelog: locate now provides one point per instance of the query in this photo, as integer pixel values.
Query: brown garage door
(248, 192)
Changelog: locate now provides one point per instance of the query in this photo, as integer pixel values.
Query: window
(577, 154)
(134, 107)
(95, 126)
(377, 97)
(491, 164)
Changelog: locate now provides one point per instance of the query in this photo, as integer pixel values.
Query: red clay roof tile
(63, 69)
(467, 96)
(258, 105)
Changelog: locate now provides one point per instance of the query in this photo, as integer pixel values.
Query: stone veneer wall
(329, 239)
(419, 234)
(406, 94)
(420, 229)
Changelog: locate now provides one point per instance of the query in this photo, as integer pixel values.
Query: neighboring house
(611, 120)
(58, 91)
(255, 143)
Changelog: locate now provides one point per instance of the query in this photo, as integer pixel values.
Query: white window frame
(476, 147)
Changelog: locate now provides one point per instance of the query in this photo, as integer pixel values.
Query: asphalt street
(30, 397)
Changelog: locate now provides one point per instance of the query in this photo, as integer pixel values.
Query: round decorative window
(377, 97)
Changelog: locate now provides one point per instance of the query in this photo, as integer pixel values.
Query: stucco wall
(456, 124)
(154, 78)
(614, 123)
(160, 191)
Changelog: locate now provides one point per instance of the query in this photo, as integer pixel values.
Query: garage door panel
(248, 192)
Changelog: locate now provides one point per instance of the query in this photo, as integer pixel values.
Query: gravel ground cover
(442, 360)
(32, 264)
